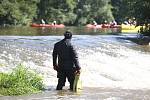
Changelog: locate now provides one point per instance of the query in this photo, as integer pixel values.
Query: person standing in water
(65, 61)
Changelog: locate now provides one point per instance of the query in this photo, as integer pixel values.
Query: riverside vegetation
(20, 81)
(74, 12)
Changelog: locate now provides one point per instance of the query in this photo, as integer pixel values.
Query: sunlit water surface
(113, 68)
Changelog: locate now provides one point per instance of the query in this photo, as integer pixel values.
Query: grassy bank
(20, 81)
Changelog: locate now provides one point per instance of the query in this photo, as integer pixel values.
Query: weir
(106, 60)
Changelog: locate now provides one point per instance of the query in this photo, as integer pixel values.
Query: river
(113, 68)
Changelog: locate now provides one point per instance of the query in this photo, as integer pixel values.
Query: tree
(75, 12)
(69, 12)
(121, 10)
(59, 10)
(89, 10)
(16, 12)
(140, 10)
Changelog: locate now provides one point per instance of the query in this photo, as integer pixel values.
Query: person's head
(94, 22)
(54, 21)
(68, 34)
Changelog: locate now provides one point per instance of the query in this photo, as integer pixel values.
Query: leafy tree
(140, 10)
(121, 10)
(98, 10)
(15, 12)
(59, 10)
(69, 12)
(75, 12)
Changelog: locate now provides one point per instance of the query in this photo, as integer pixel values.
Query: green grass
(20, 81)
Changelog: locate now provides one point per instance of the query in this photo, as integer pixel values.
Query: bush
(20, 81)
(145, 30)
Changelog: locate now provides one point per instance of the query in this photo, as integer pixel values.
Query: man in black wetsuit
(65, 61)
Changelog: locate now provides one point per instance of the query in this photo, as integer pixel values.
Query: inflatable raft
(48, 25)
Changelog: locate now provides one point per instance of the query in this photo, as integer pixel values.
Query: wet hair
(68, 34)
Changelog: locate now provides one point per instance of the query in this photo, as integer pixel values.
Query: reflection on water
(30, 31)
(43, 31)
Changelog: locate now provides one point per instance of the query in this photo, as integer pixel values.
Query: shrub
(145, 31)
(20, 81)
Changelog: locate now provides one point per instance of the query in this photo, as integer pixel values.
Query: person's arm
(55, 65)
(75, 59)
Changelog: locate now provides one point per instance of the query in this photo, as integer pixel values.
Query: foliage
(90, 10)
(145, 30)
(20, 81)
(120, 10)
(133, 9)
(69, 12)
(72, 12)
(16, 12)
(140, 10)
(58, 10)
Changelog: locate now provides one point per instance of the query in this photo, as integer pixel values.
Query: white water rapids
(106, 60)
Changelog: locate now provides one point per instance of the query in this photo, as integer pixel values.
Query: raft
(103, 26)
(130, 28)
(93, 26)
(48, 25)
(111, 26)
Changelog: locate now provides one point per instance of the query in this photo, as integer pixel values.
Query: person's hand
(77, 72)
(55, 67)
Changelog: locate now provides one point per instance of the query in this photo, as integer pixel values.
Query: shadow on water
(143, 43)
(144, 40)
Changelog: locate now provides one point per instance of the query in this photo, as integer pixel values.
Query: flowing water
(113, 68)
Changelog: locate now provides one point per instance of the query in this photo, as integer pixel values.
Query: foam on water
(106, 60)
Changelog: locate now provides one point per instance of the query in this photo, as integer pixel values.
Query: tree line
(72, 12)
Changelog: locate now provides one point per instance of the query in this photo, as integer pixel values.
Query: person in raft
(54, 22)
(67, 64)
(94, 23)
(42, 21)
